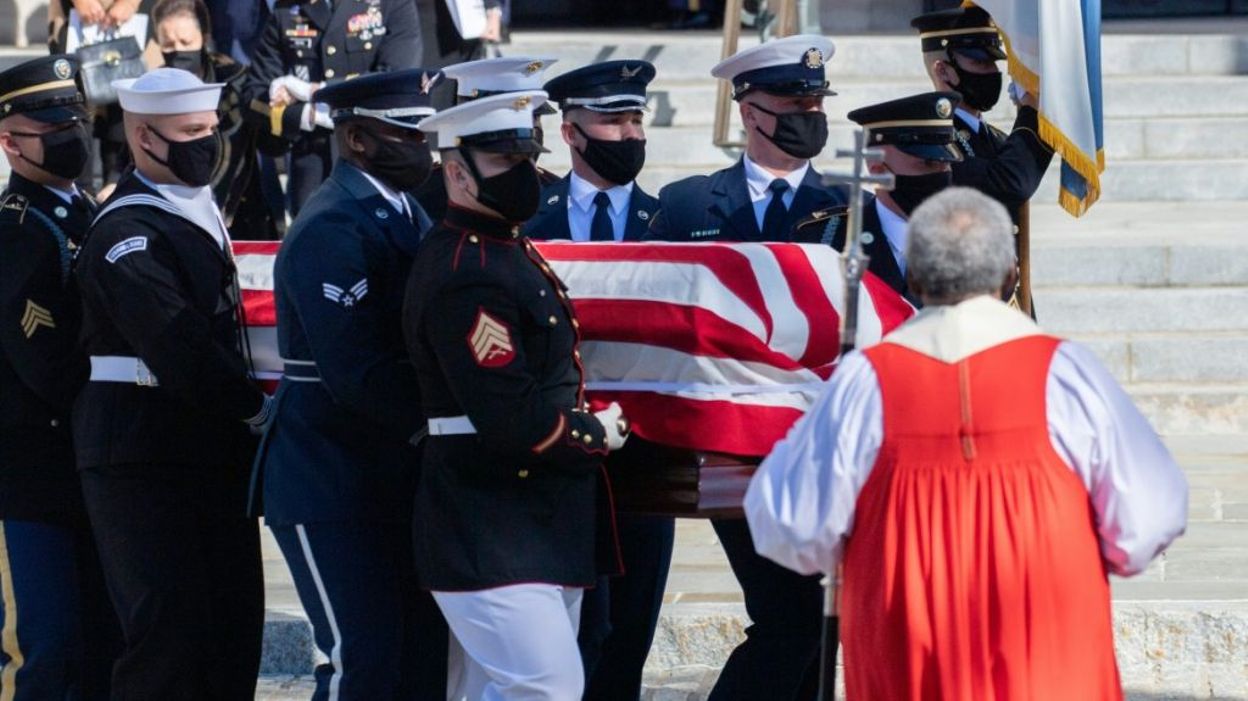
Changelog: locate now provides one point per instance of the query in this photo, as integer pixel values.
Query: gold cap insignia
(62, 69)
(521, 103)
(944, 108)
(533, 67)
(813, 58)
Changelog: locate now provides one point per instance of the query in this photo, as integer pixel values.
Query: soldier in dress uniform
(599, 200)
(307, 44)
(163, 428)
(476, 79)
(961, 48)
(59, 627)
(773, 190)
(772, 194)
(916, 134)
(338, 468)
(513, 518)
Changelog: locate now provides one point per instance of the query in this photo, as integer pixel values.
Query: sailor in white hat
(507, 524)
(772, 194)
(163, 429)
(484, 78)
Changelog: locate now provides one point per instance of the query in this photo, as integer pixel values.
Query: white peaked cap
(486, 115)
(497, 75)
(167, 91)
(789, 51)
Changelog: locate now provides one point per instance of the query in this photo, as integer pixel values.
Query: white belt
(123, 369)
(451, 426)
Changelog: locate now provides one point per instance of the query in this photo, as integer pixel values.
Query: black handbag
(106, 61)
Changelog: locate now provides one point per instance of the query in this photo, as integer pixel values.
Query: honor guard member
(309, 43)
(916, 134)
(599, 200)
(773, 191)
(490, 76)
(163, 429)
(961, 48)
(338, 467)
(60, 628)
(771, 194)
(513, 518)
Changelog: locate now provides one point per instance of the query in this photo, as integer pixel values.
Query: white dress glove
(616, 425)
(315, 115)
(297, 88)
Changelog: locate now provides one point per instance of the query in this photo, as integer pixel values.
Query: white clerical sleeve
(800, 504)
(1138, 491)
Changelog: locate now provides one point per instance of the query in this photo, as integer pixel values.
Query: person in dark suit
(599, 200)
(163, 428)
(337, 470)
(477, 79)
(916, 134)
(772, 194)
(306, 45)
(961, 48)
(513, 520)
(61, 634)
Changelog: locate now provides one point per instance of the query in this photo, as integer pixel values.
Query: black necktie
(601, 228)
(773, 218)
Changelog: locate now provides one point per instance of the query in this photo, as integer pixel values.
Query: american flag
(714, 347)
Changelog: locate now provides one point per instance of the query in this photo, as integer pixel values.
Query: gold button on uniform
(329, 73)
(331, 50)
(473, 238)
(588, 439)
(576, 433)
(523, 474)
(368, 46)
(553, 320)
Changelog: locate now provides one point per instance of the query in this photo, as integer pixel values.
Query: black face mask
(909, 191)
(980, 91)
(192, 161)
(616, 161)
(513, 193)
(799, 134)
(65, 151)
(190, 61)
(403, 165)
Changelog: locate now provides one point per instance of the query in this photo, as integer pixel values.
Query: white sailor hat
(498, 123)
(789, 66)
(493, 76)
(167, 91)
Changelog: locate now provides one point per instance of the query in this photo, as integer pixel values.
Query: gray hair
(960, 244)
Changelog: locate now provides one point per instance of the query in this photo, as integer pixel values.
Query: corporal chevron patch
(34, 317)
(490, 341)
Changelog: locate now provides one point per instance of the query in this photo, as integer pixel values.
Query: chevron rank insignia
(347, 298)
(34, 317)
(490, 341)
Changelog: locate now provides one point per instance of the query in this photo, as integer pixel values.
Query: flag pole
(854, 261)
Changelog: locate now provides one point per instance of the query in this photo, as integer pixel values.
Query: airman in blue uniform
(337, 470)
(772, 194)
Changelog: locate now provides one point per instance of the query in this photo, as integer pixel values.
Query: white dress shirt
(758, 182)
(396, 199)
(895, 231)
(969, 119)
(581, 208)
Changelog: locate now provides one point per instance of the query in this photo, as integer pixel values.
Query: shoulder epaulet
(997, 133)
(14, 205)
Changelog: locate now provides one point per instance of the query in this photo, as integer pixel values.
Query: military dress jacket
(339, 448)
(882, 262)
(158, 287)
(323, 41)
(551, 220)
(1007, 168)
(717, 207)
(41, 366)
(492, 335)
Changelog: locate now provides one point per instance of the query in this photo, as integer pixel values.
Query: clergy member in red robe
(978, 479)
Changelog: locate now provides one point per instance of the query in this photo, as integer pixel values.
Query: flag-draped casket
(713, 350)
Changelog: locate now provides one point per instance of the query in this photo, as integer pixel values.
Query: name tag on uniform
(704, 233)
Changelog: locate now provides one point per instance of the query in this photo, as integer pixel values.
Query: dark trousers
(60, 634)
(310, 161)
(618, 617)
(385, 639)
(779, 660)
(182, 563)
